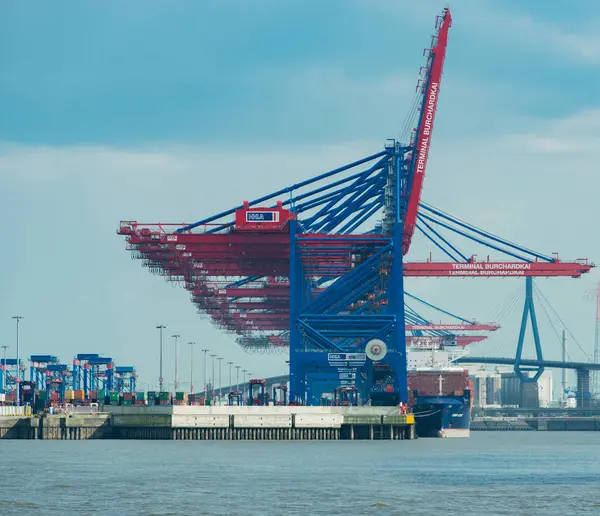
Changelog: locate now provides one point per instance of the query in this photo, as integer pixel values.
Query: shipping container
(69, 395)
(78, 395)
(141, 396)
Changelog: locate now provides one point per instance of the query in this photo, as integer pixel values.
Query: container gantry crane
(125, 379)
(9, 372)
(305, 266)
(93, 372)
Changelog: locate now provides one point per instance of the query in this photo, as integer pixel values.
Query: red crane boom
(433, 78)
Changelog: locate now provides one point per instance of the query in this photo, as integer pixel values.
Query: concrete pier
(217, 423)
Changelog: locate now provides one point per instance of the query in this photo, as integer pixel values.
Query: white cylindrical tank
(545, 389)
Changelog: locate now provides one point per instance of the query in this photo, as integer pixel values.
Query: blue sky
(154, 110)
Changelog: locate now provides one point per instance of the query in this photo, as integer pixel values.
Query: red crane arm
(452, 327)
(435, 66)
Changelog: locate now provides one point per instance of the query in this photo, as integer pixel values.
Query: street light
(212, 380)
(160, 374)
(220, 359)
(18, 319)
(176, 384)
(237, 378)
(205, 351)
(191, 344)
(244, 384)
(230, 364)
(3, 368)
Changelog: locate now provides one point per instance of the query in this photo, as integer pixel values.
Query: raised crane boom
(431, 87)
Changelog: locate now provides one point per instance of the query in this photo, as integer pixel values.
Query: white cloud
(549, 39)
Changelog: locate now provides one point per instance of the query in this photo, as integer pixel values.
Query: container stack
(41, 400)
(141, 398)
(164, 398)
(152, 398)
(181, 398)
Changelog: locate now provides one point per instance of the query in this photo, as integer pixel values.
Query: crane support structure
(318, 267)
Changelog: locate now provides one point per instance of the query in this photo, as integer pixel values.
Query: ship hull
(442, 416)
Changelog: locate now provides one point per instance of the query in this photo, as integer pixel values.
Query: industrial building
(502, 387)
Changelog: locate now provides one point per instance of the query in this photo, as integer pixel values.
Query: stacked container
(69, 395)
(152, 398)
(93, 396)
(181, 398)
(40, 400)
(141, 398)
(164, 398)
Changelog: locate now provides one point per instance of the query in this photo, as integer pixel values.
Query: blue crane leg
(297, 389)
(397, 355)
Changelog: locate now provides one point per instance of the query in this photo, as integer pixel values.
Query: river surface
(492, 473)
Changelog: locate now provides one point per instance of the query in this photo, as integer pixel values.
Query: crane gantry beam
(319, 265)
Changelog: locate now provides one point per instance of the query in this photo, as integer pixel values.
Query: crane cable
(551, 323)
(541, 294)
(506, 308)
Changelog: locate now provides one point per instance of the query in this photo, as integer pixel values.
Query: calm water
(489, 474)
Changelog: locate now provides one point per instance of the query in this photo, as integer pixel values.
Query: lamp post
(244, 384)
(160, 328)
(18, 319)
(237, 377)
(176, 384)
(205, 351)
(230, 365)
(212, 380)
(220, 359)
(191, 344)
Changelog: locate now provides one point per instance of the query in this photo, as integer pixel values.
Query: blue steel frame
(125, 379)
(322, 325)
(8, 375)
(86, 366)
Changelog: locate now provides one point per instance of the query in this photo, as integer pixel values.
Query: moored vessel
(440, 395)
